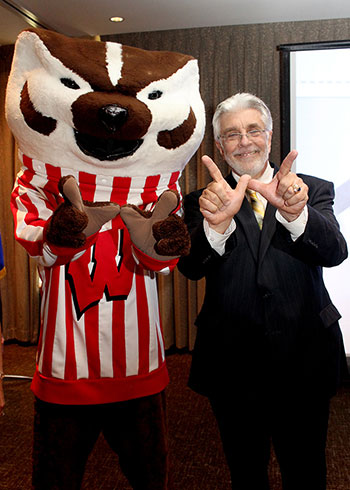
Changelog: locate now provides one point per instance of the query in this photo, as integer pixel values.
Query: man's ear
(220, 148)
(270, 140)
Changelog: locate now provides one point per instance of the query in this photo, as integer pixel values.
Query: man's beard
(252, 168)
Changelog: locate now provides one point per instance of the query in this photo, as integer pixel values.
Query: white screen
(320, 131)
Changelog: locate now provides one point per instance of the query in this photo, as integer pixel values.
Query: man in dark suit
(269, 351)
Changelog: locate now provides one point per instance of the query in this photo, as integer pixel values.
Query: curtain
(19, 288)
(231, 59)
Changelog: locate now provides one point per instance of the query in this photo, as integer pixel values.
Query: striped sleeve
(31, 209)
(33, 201)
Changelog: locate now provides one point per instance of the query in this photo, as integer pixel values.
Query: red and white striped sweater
(101, 339)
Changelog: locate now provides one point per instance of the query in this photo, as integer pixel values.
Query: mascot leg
(137, 431)
(64, 436)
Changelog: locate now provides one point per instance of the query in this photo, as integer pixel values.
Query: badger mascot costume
(104, 131)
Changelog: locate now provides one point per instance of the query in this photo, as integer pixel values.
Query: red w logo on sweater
(102, 270)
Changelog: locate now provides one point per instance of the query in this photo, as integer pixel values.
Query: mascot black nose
(113, 116)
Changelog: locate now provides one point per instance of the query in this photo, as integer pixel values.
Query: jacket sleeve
(32, 209)
(321, 243)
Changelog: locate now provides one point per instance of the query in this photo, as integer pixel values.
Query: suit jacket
(267, 317)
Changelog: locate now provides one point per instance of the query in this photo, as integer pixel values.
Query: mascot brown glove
(74, 220)
(157, 234)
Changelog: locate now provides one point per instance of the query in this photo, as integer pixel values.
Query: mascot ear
(30, 57)
(29, 54)
(26, 101)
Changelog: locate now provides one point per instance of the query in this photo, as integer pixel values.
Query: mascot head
(102, 107)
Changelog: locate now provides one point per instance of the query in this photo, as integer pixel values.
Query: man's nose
(244, 139)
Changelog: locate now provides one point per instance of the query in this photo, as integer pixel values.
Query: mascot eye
(68, 82)
(155, 94)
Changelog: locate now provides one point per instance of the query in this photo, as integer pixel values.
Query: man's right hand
(219, 203)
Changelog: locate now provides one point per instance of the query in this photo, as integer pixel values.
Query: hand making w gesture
(219, 202)
(287, 192)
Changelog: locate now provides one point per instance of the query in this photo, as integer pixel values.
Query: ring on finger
(296, 188)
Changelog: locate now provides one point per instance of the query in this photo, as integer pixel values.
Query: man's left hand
(287, 192)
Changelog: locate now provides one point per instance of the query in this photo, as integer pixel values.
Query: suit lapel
(268, 230)
(247, 220)
(269, 226)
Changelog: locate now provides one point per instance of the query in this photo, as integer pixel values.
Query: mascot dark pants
(64, 436)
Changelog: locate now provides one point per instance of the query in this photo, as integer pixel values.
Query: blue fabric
(2, 264)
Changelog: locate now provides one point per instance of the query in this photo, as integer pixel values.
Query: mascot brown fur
(104, 132)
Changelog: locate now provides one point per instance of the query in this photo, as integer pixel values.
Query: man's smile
(246, 154)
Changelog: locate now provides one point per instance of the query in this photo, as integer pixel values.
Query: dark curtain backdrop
(231, 59)
(19, 288)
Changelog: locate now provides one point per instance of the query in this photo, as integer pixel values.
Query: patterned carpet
(197, 460)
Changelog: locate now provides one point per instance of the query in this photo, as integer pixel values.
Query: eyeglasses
(236, 137)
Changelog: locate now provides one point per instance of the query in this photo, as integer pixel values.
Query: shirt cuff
(218, 240)
(297, 227)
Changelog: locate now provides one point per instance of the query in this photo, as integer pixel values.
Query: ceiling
(91, 17)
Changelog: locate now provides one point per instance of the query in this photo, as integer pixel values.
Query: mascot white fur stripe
(123, 122)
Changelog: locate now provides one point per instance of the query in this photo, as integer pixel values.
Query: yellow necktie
(257, 207)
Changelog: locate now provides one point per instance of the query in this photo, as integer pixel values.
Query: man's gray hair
(238, 102)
